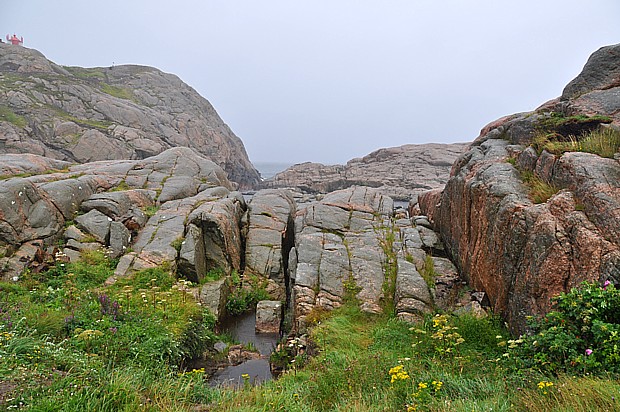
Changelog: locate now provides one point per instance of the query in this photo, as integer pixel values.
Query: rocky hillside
(123, 112)
(399, 172)
(533, 208)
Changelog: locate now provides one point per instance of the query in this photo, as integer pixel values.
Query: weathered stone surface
(79, 246)
(119, 205)
(522, 254)
(72, 232)
(213, 237)
(119, 239)
(268, 316)
(26, 213)
(270, 236)
(19, 164)
(214, 294)
(399, 172)
(125, 112)
(95, 223)
(601, 72)
(412, 297)
(337, 242)
(13, 266)
(37, 207)
(198, 233)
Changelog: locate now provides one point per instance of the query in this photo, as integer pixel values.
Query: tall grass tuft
(539, 190)
(603, 141)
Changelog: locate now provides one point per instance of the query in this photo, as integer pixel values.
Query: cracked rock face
(520, 253)
(125, 112)
(36, 208)
(270, 237)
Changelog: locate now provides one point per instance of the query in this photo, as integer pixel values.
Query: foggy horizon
(329, 81)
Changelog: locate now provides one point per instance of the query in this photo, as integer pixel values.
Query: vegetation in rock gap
(387, 236)
(557, 126)
(7, 115)
(246, 293)
(539, 189)
(428, 271)
(604, 142)
(557, 134)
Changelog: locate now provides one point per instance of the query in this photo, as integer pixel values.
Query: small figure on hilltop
(15, 41)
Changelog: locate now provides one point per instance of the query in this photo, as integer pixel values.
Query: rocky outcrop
(399, 172)
(39, 207)
(121, 112)
(176, 211)
(523, 253)
(270, 238)
(348, 246)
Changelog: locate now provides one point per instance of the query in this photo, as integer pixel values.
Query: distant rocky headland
(400, 172)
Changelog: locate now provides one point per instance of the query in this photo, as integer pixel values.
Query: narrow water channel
(242, 329)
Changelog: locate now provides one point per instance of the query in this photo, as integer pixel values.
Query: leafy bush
(246, 295)
(582, 334)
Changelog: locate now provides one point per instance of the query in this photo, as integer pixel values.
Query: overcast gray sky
(330, 80)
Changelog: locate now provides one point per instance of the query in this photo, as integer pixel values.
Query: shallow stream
(242, 330)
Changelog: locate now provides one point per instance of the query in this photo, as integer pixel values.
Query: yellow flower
(422, 385)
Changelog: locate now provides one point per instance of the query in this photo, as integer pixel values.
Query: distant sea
(269, 169)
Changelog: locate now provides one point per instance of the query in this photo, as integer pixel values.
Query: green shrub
(581, 334)
(245, 295)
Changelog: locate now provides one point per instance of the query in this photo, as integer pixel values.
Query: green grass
(66, 345)
(428, 271)
(357, 351)
(122, 186)
(604, 142)
(97, 124)
(84, 73)
(7, 115)
(539, 190)
(116, 91)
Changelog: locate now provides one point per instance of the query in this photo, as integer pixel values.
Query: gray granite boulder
(412, 296)
(213, 296)
(270, 236)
